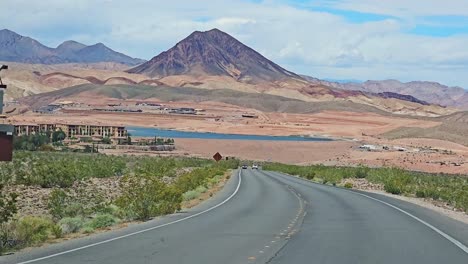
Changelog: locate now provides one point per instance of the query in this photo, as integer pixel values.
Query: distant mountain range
(17, 48)
(212, 60)
(213, 53)
(431, 92)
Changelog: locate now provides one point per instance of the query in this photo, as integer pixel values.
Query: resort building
(72, 130)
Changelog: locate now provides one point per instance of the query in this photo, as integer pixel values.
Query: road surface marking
(440, 232)
(141, 231)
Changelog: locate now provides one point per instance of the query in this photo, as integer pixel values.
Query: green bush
(361, 172)
(449, 188)
(190, 195)
(102, 220)
(310, 175)
(147, 196)
(33, 230)
(87, 230)
(71, 224)
(57, 202)
(348, 185)
(201, 189)
(7, 205)
(420, 194)
(392, 188)
(56, 231)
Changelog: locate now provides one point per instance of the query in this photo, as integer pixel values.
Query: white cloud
(315, 43)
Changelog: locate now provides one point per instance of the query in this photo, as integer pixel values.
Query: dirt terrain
(352, 129)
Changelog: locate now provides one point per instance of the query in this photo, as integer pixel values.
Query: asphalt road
(267, 217)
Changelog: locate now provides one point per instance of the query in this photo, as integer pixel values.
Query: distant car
(244, 167)
(255, 167)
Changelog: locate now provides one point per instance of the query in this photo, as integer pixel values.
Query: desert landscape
(247, 94)
(233, 132)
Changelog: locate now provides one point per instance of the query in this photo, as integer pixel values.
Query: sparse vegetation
(103, 220)
(71, 224)
(447, 188)
(348, 185)
(147, 196)
(150, 186)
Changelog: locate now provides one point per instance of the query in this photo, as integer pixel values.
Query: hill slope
(213, 53)
(431, 92)
(17, 48)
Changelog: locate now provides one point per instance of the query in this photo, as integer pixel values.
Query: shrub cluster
(448, 188)
(146, 191)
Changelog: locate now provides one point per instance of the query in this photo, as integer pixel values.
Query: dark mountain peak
(213, 52)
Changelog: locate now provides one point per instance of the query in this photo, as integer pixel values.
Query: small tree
(106, 140)
(58, 136)
(129, 139)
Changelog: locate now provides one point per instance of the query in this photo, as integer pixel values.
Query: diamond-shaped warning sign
(217, 156)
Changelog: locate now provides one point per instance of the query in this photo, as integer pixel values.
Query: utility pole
(6, 130)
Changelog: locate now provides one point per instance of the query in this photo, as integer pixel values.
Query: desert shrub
(56, 230)
(46, 148)
(420, 194)
(310, 175)
(361, 172)
(449, 188)
(81, 202)
(7, 205)
(190, 195)
(102, 220)
(33, 230)
(8, 236)
(87, 230)
(392, 187)
(199, 177)
(71, 224)
(30, 142)
(348, 185)
(57, 203)
(147, 196)
(201, 189)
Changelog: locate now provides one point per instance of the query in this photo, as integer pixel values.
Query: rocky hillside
(431, 92)
(214, 53)
(17, 48)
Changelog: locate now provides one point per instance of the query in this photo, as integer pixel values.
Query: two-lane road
(264, 217)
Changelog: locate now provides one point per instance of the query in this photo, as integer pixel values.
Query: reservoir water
(168, 133)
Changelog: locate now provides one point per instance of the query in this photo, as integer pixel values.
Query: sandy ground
(342, 153)
(353, 129)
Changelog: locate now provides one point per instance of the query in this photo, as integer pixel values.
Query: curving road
(268, 217)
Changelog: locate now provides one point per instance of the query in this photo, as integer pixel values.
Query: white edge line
(440, 232)
(138, 232)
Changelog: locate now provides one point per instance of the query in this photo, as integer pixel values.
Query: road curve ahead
(267, 217)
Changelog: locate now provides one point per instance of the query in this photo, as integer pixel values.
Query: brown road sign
(217, 156)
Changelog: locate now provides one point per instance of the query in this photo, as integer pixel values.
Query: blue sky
(339, 39)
